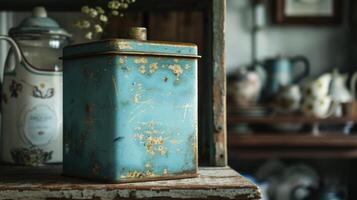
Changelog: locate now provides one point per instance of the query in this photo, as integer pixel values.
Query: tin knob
(138, 33)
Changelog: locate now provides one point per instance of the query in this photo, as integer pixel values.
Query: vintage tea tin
(130, 110)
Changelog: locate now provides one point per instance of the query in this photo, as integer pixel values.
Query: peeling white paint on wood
(21, 183)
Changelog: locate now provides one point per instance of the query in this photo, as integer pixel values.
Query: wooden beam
(219, 83)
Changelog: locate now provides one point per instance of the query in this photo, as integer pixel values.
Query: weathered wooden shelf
(291, 146)
(279, 140)
(19, 183)
(235, 119)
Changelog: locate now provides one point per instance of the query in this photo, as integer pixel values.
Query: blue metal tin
(130, 110)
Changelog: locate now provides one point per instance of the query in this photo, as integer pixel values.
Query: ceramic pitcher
(32, 92)
(280, 72)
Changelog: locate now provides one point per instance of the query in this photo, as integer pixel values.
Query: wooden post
(219, 83)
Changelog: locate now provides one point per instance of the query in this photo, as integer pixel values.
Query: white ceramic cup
(318, 88)
(319, 107)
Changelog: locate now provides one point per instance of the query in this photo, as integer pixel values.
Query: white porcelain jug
(32, 92)
(339, 91)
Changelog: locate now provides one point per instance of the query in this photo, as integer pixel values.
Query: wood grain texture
(219, 83)
(20, 183)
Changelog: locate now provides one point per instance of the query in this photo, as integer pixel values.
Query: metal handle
(16, 48)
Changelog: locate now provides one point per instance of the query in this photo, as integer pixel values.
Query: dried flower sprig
(96, 18)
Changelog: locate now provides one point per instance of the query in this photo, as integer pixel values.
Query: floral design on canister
(15, 88)
(42, 92)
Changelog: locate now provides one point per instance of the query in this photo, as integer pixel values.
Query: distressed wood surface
(219, 83)
(20, 183)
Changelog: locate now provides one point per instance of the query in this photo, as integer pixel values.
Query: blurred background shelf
(234, 119)
(280, 140)
(292, 146)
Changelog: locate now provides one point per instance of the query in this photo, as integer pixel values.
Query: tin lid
(131, 47)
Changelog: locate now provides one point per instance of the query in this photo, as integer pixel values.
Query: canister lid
(38, 23)
(131, 47)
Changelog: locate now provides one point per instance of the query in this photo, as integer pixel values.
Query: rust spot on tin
(152, 138)
(134, 174)
(142, 69)
(153, 67)
(118, 45)
(138, 174)
(176, 69)
(162, 150)
(141, 60)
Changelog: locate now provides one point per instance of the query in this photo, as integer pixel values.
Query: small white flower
(89, 35)
(103, 18)
(100, 10)
(124, 5)
(115, 13)
(85, 24)
(115, 4)
(93, 12)
(98, 28)
(85, 9)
